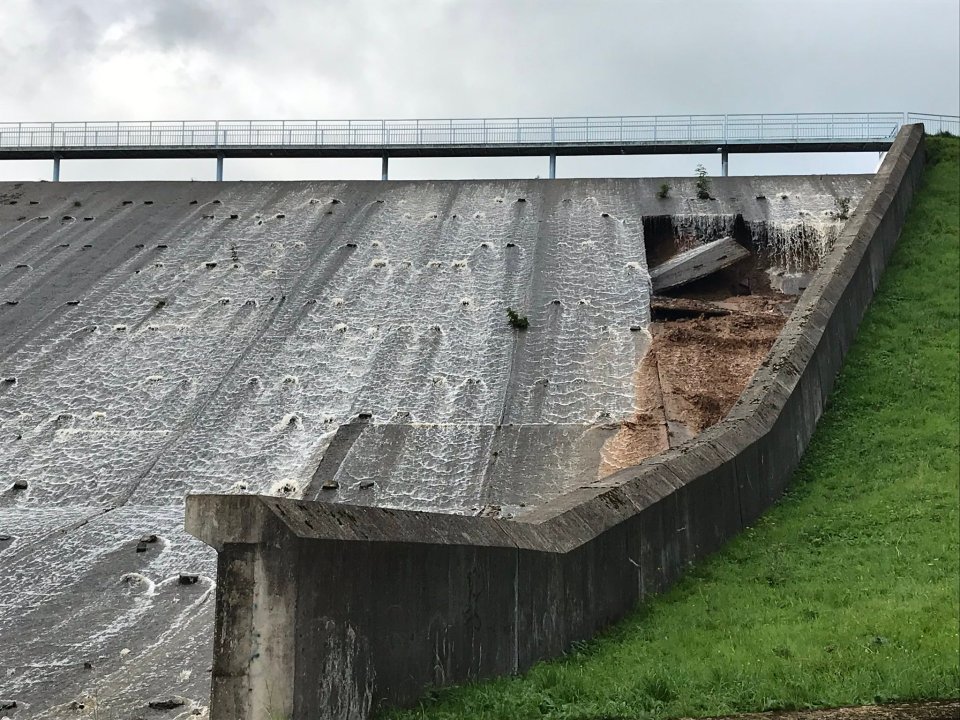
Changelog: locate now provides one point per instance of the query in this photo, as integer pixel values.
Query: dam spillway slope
(341, 341)
(165, 348)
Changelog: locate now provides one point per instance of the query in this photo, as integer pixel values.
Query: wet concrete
(201, 337)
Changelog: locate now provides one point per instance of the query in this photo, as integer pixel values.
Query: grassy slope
(847, 591)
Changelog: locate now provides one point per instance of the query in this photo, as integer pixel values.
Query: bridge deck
(477, 137)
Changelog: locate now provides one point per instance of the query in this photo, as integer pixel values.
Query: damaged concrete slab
(696, 263)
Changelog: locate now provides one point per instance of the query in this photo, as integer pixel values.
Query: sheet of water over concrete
(154, 344)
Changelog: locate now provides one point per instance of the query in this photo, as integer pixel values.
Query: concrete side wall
(388, 603)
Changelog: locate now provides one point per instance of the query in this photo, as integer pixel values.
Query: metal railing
(653, 129)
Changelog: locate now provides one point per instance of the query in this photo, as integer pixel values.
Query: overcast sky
(316, 59)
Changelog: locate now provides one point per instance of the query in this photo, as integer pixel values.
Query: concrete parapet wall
(330, 611)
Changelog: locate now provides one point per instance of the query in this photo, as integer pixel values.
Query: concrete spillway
(347, 341)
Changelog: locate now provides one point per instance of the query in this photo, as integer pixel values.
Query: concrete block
(697, 263)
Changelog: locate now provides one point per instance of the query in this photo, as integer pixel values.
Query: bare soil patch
(937, 710)
(693, 373)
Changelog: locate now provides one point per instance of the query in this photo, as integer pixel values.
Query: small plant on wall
(703, 183)
(664, 192)
(517, 320)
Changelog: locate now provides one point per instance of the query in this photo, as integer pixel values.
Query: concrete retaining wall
(330, 611)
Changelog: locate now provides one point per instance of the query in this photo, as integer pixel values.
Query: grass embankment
(846, 592)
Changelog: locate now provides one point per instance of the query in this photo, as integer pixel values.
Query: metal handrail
(451, 132)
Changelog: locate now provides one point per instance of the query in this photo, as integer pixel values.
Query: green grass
(848, 591)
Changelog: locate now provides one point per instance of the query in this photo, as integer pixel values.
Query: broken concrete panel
(697, 263)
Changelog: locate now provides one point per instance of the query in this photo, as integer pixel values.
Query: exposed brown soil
(693, 373)
(937, 710)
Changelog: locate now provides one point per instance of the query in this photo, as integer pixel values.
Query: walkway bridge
(462, 137)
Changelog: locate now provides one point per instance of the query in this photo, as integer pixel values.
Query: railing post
(216, 133)
(485, 131)
(553, 133)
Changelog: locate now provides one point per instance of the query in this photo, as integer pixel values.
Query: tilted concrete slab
(696, 263)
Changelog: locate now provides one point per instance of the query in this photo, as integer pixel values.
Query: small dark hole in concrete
(162, 247)
(187, 579)
(209, 265)
(193, 202)
(234, 216)
(20, 485)
(148, 202)
(127, 202)
(73, 302)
